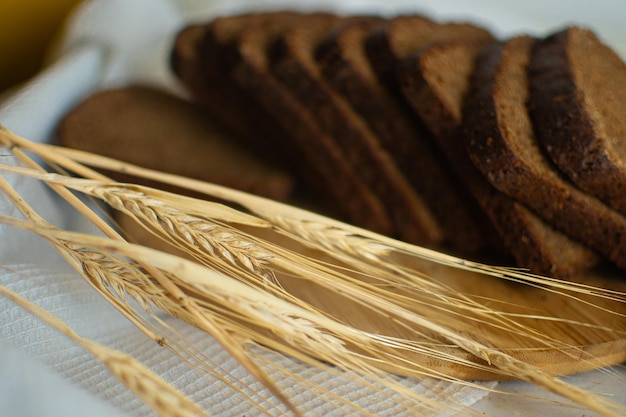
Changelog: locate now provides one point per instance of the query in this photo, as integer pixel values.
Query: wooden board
(586, 332)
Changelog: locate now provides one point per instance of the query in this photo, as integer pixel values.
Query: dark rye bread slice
(577, 101)
(154, 129)
(502, 144)
(294, 64)
(342, 60)
(386, 45)
(435, 82)
(201, 82)
(402, 36)
(327, 169)
(201, 57)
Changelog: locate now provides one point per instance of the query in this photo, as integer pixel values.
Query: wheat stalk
(301, 332)
(177, 302)
(308, 334)
(302, 328)
(206, 238)
(94, 265)
(336, 237)
(302, 325)
(217, 244)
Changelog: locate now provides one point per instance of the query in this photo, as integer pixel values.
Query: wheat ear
(151, 208)
(491, 355)
(382, 246)
(335, 236)
(100, 277)
(92, 264)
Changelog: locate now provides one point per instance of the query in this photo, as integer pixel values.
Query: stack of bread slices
(435, 133)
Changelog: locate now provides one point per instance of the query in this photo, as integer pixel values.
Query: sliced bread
(578, 94)
(502, 144)
(435, 81)
(402, 36)
(201, 58)
(294, 64)
(323, 164)
(345, 66)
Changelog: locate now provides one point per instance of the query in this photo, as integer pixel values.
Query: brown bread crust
(327, 168)
(502, 145)
(389, 45)
(295, 66)
(435, 82)
(345, 66)
(137, 124)
(578, 91)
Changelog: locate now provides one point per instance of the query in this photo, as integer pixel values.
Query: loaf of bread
(421, 130)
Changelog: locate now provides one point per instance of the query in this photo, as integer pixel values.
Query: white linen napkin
(115, 42)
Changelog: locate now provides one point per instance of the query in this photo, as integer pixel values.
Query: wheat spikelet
(203, 234)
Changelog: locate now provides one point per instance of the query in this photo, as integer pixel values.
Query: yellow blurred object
(26, 31)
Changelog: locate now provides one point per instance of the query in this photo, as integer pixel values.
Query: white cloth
(116, 42)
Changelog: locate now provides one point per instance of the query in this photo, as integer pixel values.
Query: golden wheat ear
(362, 302)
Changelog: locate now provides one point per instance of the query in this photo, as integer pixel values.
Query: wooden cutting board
(586, 332)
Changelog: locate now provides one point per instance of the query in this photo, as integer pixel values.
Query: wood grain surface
(562, 332)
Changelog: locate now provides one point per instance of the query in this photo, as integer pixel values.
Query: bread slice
(154, 129)
(386, 47)
(324, 165)
(404, 35)
(435, 81)
(578, 93)
(342, 60)
(201, 58)
(388, 44)
(502, 144)
(201, 81)
(295, 66)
